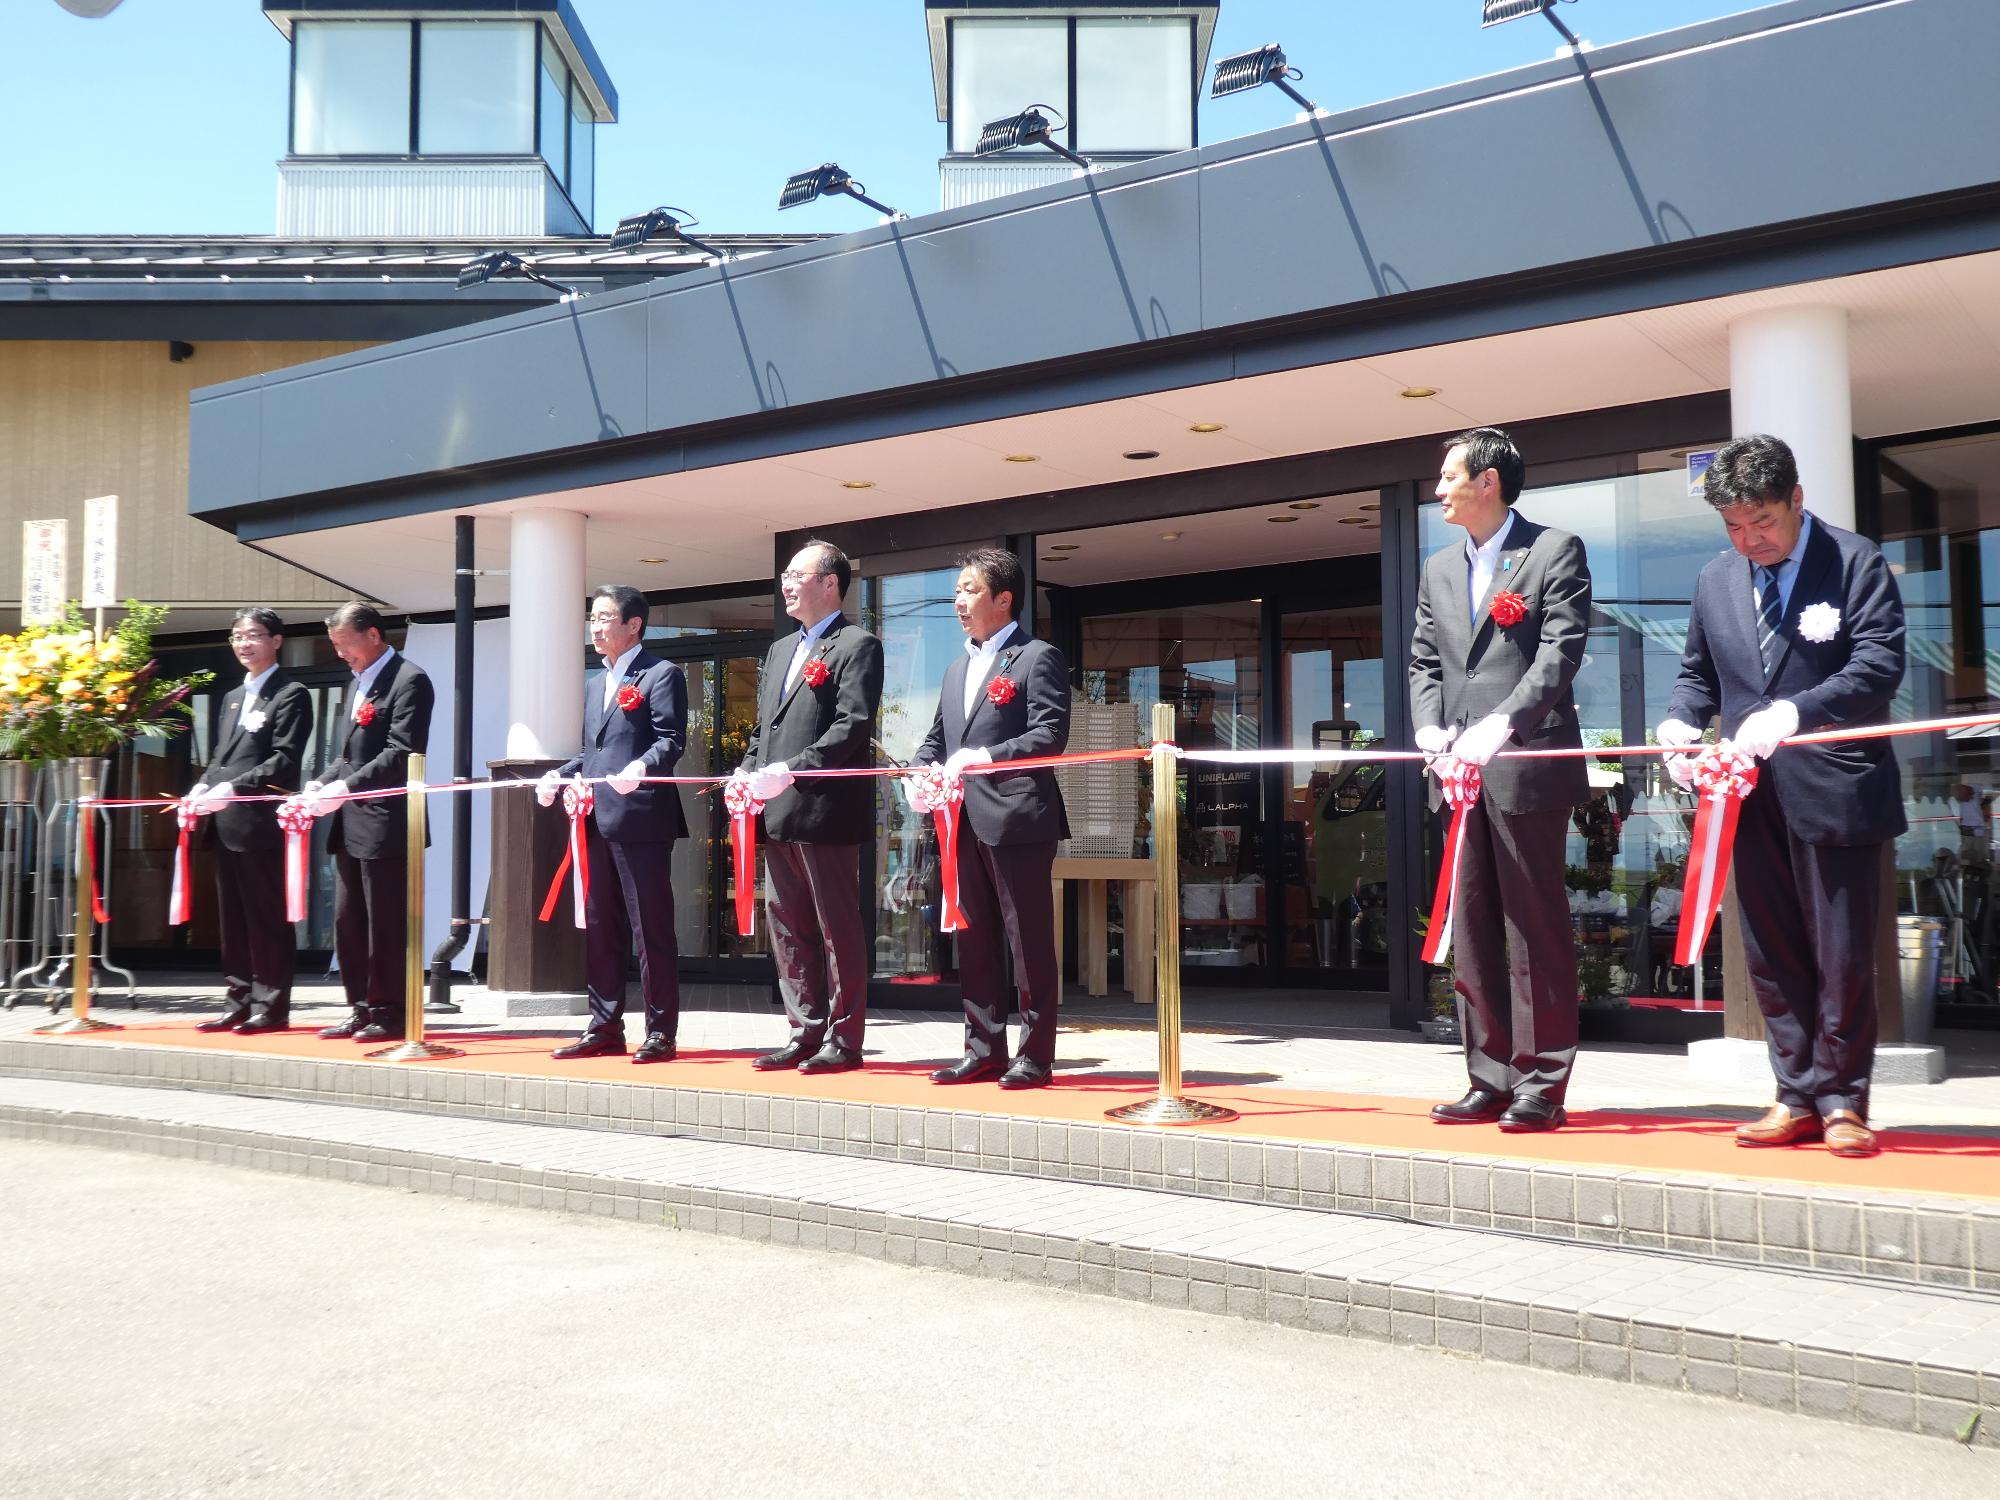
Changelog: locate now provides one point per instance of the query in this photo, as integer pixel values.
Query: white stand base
(1728, 1059)
(482, 1004)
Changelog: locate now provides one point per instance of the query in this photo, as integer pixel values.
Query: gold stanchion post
(80, 1018)
(413, 1045)
(1167, 1106)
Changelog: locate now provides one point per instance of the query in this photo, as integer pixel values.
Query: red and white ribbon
(578, 800)
(1459, 781)
(180, 904)
(1723, 777)
(295, 817)
(940, 793)
(743, 810)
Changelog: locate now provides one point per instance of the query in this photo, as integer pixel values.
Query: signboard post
(44, 566)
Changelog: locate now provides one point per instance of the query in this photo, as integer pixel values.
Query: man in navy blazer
(634, 726)
(1007, 698)
(1800, 629)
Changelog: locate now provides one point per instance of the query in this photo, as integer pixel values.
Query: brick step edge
(1902, 1238)
(1932, 1400)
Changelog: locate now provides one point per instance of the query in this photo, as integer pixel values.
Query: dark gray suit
(1519, 1009)
(1808, 840)
(815, 827)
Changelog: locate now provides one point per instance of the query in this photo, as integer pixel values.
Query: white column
(546, 635)
(1788, 376)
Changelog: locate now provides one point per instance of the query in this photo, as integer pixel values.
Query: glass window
(582, 152)
(1135, 84)
(351, 88)
(1000, 67)
(554, 143)
(475, 78)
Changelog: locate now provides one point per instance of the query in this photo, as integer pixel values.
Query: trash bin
(1920, 946)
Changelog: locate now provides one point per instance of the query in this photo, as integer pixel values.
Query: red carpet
(1913, 1161)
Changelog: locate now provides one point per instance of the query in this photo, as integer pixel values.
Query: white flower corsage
(255, 720)
(1819, 623)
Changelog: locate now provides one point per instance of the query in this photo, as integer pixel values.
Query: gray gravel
(173, 1329)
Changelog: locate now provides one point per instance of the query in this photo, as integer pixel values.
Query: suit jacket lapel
(819, 649)
(1820, 555)
(232, 719)
(1507, 570)
(1007, 655)
(377, 691)
(954, 701)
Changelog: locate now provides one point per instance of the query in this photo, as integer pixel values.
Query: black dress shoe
(229, 1022)
(267, 1018)
(1025, 1074)
(1477, 1108)
(377, 1031)
(832, 1058)
(593, 1044)
(1532, 1113)
(788, 1056)
(970, 1069)
(656, 1048)
(351, 1027)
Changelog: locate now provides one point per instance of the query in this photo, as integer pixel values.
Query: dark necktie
(1770, 614)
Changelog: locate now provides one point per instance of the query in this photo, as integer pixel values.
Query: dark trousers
(1809, 915)
(1005, 894)
(1514, 952)
(632, 894)
(258, 950)
(371, 910)
(814, 907)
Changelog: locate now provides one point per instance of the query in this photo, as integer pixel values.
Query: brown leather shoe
(1781, 1126)
(1847, 1134)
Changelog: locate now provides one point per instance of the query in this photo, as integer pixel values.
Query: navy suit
(1808, 842)
(632, 844)
(1008, 828)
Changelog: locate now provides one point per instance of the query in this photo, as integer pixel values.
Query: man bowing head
(634, 726)
(1006, 699)
(1800, 628)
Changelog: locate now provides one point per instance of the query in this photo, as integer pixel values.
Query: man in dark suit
(266, 724)
(1800, 628)
(1007, 698)
(387, 715)
(634, 726)
(1501, 622)
(816, 705)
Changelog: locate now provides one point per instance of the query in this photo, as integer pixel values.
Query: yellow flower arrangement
(65, 693)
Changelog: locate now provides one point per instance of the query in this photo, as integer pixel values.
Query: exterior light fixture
(1370, 505)
(1029, 128)
(1170, 536)
(633, 232)
(1024, 458)
(1205, 427)
(483, 268)
(652, 559)
(1065, 546)
(1495, 12)
(857, 484)
(1054, 557)
(1419, 392)
(804, 187)
(1247, 70)
(1303, 505)
(1281, 520)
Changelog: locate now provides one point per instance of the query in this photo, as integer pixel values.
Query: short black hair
(832, 560)
(354, 615)
(1490, 448)
(266, 620)
(631, 603)
(1752, 470)
(1001, 571)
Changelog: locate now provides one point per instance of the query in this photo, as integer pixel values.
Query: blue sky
(167, 116)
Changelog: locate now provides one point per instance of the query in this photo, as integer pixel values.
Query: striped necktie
(1770, 614)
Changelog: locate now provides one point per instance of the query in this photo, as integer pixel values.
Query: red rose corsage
(1001, 690)
(364, 713)
(813, 674)
(629, 697)
(1508, 608)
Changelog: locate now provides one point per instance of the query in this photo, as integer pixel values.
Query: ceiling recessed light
(1419, 392)
(1358, 521)
(1055, 557)
(1205, 427)
(1170, 536)
(1371, 504)
(1140, 454)
(1064, 546)
(1281, 520)
(652, 559)
(1304, 505)
(857, 484)
(1024, 458)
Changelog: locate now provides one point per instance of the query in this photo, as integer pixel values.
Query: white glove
(549, 788)
(1677, 733)
(767, 782)
(1435, 739)
(908, 785)
(195, 794)
(971, 755)
(330, 790)
(1479, 743)
(1760, 733)
(626, 782)
(215, 797)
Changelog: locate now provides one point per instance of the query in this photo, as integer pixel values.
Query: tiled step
(1925, 1360)
(1947, 1242)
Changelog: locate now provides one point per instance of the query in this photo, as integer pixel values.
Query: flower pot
(17, 781)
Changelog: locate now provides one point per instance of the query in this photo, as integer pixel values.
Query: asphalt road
(173, 1329)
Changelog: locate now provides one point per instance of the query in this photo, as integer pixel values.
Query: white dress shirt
(808, 638)
(252, 686)
(614, 674)
(1787, 571)
(1482, 559)
(365, 678)
(983, 656)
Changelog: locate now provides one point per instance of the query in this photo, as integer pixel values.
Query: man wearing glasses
(816, 704)
(266, 725)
